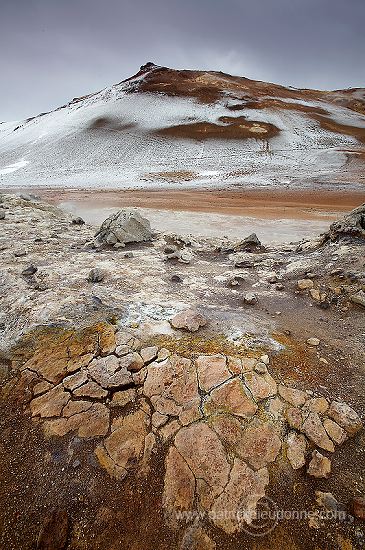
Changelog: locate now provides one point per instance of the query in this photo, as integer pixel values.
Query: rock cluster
(224, 418)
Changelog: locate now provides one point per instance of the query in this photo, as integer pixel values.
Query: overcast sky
(54, 50)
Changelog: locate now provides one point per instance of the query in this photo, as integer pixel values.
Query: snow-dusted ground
(60, 148)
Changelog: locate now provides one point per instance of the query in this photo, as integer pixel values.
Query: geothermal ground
(165, 393)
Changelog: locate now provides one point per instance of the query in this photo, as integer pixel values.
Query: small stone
(260, 386)
(345, 416)
(319, 466)
(293, 396)
(358, 298)
(294, 417)
(170, 249)
(189, 320)
(176, 279)
(304, 284)
(315, 294)
(265, 359)
(316, 404)
(313, 342)
(235, 281)
(185, 257)
(358, 507)
(272, 279)
(107, 372)
(296, 447)
(132, 362)
(243, 263)
(20, 253)
(2, 214)
(335, 431)
(327, 500)
(77, 220)
(279, 286)
(124, 226)
(250, 298)
(314, 430)
(29, 271)
(76, 463)
(163, 354)
(149, 354)
(96, 276)
(260, 368)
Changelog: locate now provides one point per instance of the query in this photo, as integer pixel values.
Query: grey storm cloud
(54, 50)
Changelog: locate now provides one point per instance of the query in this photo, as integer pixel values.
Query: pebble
(77, 221)
(29, 271)
(250, 298)
(20, 253)
(304, 284)
(313, 341)
(96, 276)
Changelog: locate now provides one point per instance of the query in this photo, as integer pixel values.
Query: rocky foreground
(159, 391)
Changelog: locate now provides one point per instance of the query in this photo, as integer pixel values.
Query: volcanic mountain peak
(162, 123)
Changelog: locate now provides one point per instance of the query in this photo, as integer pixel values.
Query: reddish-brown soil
(288, 204)
(234, 128)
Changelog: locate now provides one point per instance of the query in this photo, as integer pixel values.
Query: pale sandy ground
(276, 216)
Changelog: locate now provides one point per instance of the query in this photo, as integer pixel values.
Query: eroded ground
(123, 423)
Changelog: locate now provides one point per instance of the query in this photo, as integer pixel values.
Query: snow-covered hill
(170, 128)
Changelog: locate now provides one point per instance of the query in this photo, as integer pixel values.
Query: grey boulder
(125, 226)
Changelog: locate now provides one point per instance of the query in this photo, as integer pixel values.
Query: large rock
(352, 224)
(125, 226)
